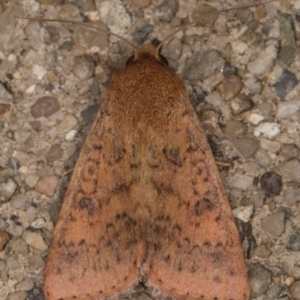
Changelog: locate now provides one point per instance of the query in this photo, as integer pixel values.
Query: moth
(145, 203)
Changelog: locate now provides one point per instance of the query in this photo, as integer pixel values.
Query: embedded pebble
(36, 262)
(213, 99)
(31, 180)
(141, 3)
(291, 265)
(31, 213)
(243, 213)
(257, 199)
(269, 145)
(204, 15)
(274, 224)
(83, 68)
(71, 135)
(38, 223)
(26, 285)
(264, 59)
(47, 185)
(34, 240)
(235, 129)
(4, 94)
(267, 129)
(7, 189)
(47, 171)
(241, 181)
(286, 55)
(141, 34)
(291, 196)
(19, 295)
(291, 169)
(294, 240)
(259, 279)
(295, 290)
(45, 107)
(265, 108)
(287, 109)
(12, 264)
(202, 65)
(18, 201)
(246, 146)
(4, 108)
(39, 71)
(19, 246)
(262, 252)
(241, 104)
(22, 157)
(4, 239)
(90, 113)
(255, 118)
(16, 230)
(167, 10)
(289, 151)
(21, 136)
(285, 83)
(54, 153)
(173, 49)
(68, 123)
(230, 87)
(271, 183)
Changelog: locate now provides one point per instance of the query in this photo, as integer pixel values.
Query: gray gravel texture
(242, 74)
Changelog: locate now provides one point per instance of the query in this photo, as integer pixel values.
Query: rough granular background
(242, 74)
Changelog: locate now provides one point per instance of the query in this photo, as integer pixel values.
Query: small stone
(267, 129)
(167, 10)
(16, 230)
(26, 285)
(18, 200)
(4, 239)
(294, 240)
(38, 223)
(286, 55)
(141, 3)
(71, 135)
(291, 265)
(31, 213)
(31, 180)
(263, 158)
(269, 145)
(19, 246)
(274, 292)
(4, 94)
(68, 123)
(39, 71)
(291, 196)
(141, 34)
(7, 189)
(274, 224)
(90, 113)
(47, 185)
(213, 99)
(19, 295)
(259, 279)
(34, 240)
(289, 151)
(255, 118)
(241, 104)
(12, 264)
(54, 153)
(4, 108)
(204, 15)
(83, 68)
(246, 146)
(265, 108)
(36, 262)
(230, 87)
(295, 290)
(287, 109)
(173, 49)
(291, 169)
(202, 65)
(243, 213)
(262, 252)
(235, 129)
(45, 107)
(271, 183)
(257, 199)
(22, 157)
(241, 181)
(264, 60)
(285, 83)
(47, 171)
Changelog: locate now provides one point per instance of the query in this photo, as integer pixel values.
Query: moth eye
(130, 60)
(163, 60)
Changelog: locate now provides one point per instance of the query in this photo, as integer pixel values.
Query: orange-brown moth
(146, 202)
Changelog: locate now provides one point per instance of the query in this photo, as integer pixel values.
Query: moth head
(145, 51)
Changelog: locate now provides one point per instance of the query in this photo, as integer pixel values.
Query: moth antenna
(82, 24)
(193, 22)
(246, 6)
